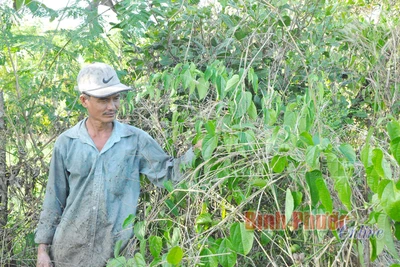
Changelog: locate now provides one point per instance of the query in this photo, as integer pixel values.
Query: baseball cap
(99, 80)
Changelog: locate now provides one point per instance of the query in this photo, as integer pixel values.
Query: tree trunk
(3, 176)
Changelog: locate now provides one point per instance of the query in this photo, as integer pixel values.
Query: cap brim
(107, 91)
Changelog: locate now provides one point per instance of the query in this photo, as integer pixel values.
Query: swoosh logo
(106, 81)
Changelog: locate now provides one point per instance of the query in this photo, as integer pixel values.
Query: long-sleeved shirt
(90, 193)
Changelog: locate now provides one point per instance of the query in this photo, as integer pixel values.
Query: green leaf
(139, 230)
(167, 80)
(335, 167)
(210, 143)
(155, 245)
(166, 60)
(311, 178)
(186, 79)
(247, 138)
(210, 127)
(393, 128)
(365, 152)
(192, 86)
(242, 238)
(297, 198)
(241, 33)
(374, 249)
(285, 21)
(387, 240)
(242, 103)
(202, 88)
(230, 142)
(33, 6)
(221, 87)
(343, 189)
(208, 73)
(228, 21)
(390, 201)
(227, 257)
(312, 157)
(252, 111)
(266, 237)
(270, 116)
(255, 83)
(208, 259)
(377, 158)
(138, 261)
(176, 236)
(204, 218)
(169, 186)
(360, 250)
(395, 149)
(381, 187)
(117, 262)
(156, 262)
(289, 205)
(258, 182)
(232, 82)
(397, 230)
(117, 248)
(372, 178)
(128, 221)
(278, 163)
(253, 78)
(175, 255)
(387, 169)
(306, 138)
(324, 195)
(284, 147)
(289, 119)
(20, 3)
(348, 151)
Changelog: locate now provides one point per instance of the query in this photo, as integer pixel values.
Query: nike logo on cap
(106, 81)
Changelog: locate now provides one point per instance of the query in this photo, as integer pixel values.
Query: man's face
(103, 109)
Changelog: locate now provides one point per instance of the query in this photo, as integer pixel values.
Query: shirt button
(94, 207)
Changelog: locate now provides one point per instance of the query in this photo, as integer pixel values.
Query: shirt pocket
(79, 167)
(121, 172)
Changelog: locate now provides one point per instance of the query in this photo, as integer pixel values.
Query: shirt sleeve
(160, 167)
(55, 199)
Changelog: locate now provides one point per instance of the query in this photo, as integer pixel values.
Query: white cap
(99, 80)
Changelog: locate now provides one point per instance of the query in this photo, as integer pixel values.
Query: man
(93, 180)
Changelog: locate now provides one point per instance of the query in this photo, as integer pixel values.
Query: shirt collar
(120, 130)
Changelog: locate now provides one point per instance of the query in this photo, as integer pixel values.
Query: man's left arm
(159, 166)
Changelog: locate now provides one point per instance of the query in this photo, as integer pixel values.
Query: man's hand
(43, 258)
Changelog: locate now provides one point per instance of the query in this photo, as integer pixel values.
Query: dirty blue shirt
(90, 193)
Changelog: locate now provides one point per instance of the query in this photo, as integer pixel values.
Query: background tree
(297, 103)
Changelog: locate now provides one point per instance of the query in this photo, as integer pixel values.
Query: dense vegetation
(297, 103)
